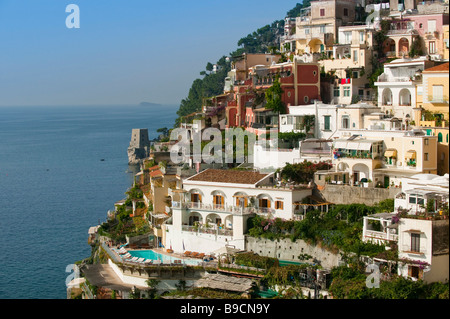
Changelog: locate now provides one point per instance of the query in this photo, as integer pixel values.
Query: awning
(352, 145)
(415, 231)
(390, 153)
(340, 144)
(364, 146)
(410, 154)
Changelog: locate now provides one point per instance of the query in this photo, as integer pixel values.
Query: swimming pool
(282, 263)
(152, 255)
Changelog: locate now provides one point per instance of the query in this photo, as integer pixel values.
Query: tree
(274, 97)
(416, 47)
(303, 172)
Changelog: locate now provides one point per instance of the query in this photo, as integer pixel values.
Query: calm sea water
(54, 186)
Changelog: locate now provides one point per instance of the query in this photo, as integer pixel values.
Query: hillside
(264, 39)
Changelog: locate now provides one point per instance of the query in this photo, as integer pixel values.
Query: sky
(124, 52)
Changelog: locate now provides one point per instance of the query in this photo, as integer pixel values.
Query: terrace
(379, 228)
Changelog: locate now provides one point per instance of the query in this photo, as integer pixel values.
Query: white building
(329, 120)
(397, 86)
(423, 249)
(418, 189)
(213, 208)
(423, 242)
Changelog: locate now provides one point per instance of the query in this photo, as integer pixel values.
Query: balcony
(386, 236)
(438, 99)
(402, 32)
(202, 229)
(408, 250)
(385, 78)
(236, 210)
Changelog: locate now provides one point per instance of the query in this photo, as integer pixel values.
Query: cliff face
(139, 147)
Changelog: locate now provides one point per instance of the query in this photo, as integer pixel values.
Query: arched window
(446, 139)
(440, 137)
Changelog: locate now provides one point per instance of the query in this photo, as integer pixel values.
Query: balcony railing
(402, 31)
(438, 99)
(207, 230)
(316, 151)
(381, 235)
(237, 210)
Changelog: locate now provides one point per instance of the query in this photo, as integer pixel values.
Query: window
(347, 37)
(306, 99)
(345, 12)
(218, 200)
(196, 198)
(289, 120)
(336, 91)
(322, 29)
(431, 47)
(345, 122)
(355, 56)
(306, 30)
(420, 25)
(431, 25)
(438, 93)
(415, 242)
(440, 137)
(241, 201)
(346, 91)
(322, 12)
(416, 199)
(326, 126)
(426, 141)
(355, 75)
(278, 204)
(425, 156)
(361, 37)
(264, 203)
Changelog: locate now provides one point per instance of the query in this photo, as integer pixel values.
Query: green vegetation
(253, 260)
(338, 230)
(274, 97)
(123, 224)
(350, 283)
(210, 85)
(303, 172)
(262, 40)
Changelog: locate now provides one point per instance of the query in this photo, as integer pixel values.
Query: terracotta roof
(438, 68)
(155, 173)
(228, 176)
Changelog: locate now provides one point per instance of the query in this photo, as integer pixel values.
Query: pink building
(405, 29)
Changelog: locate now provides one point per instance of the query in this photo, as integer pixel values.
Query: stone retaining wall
(285, 249)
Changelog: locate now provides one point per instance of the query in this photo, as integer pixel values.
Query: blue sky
(124, 52)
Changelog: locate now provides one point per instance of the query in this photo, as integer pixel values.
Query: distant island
(148, 104)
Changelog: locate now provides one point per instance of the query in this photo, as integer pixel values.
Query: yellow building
(442, 146)
(435, 83)
(317, 28)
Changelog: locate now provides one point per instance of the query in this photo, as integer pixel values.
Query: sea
(61, 169)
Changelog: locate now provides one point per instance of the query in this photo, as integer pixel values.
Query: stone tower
(139, 147)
